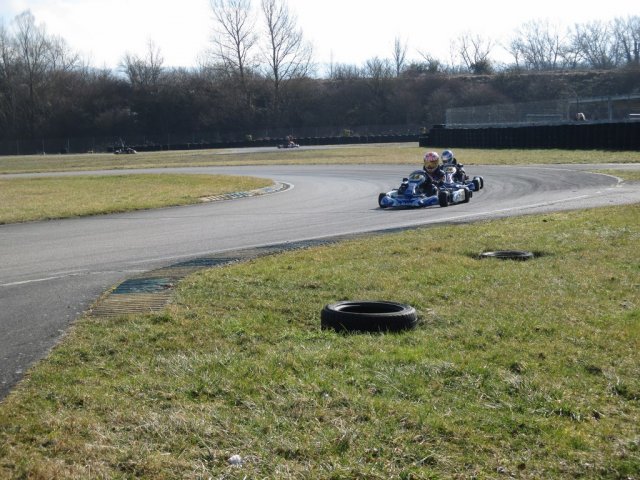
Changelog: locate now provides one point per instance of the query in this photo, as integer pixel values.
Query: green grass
(407, 153)
(517, 369)
(628, 175)
(27, 199)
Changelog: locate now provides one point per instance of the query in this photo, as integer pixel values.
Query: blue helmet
(448, 157)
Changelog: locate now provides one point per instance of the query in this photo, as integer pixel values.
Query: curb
(275, 188)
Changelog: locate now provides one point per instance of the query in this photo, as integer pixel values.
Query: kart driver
(435, 173)
(448, 158)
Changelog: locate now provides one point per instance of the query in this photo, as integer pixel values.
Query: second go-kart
(416, 191)
(455, 175)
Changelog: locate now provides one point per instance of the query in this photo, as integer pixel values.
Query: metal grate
(144, 285)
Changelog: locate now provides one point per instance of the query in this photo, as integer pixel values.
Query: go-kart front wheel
(380, 197)
(443, 198)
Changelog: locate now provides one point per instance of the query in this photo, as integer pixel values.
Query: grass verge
(406, 153)
(628, 175)
(517, 369)
(27, 199)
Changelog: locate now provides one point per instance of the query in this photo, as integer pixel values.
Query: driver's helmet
(448, 157)
(431, 161)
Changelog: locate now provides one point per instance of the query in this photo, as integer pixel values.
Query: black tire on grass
(508, 255)
(368, 316)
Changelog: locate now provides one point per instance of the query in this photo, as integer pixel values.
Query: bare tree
(60, 57)
(32, 50)
(399, 55)
(286, 53)
(431, 64)
(7, 82)
(376, 68)
(144, 72)
(342, 71)
(539, 46)
(31, 65)
(474, 50)
(234, 36)
(595, 44)
(627, 33)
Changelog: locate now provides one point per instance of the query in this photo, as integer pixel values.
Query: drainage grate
(205, 262)
(144, 285)
(124, 304)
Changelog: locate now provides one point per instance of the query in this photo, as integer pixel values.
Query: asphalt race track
(51, 272)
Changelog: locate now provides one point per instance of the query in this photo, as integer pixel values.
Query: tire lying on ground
(508, 255)
(368, 316)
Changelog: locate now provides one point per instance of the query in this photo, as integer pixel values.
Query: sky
(340, 31)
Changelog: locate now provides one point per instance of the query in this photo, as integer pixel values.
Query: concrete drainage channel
(151, 292)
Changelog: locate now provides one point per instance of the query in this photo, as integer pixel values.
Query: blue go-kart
(416, 191)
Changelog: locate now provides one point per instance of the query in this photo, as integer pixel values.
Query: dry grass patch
(27, 199)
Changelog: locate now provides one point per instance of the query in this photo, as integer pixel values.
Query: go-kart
(416, 191)
(455, 174)
(289, 145)
(124, 150)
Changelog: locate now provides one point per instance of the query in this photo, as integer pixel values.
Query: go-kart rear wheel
(443, 198)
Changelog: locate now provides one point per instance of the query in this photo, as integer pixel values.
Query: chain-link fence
(617, 108)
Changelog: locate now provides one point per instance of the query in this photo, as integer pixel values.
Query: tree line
(259, 75)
